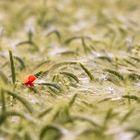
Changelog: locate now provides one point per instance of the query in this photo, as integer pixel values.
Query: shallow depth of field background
(86, 55)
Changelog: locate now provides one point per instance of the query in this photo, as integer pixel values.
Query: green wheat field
(86, 57)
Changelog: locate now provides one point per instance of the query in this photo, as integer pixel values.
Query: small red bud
(29, 79)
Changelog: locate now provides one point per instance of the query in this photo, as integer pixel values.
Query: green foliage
(12, 67)
(87, 72)
(50, 132)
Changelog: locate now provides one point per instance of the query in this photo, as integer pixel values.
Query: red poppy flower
(28, 80)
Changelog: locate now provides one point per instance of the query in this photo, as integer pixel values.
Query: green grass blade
(70, 75)
(72, 100)
(115, 73)
(43, 113)
(53, 85)
(3, 101)
(52, 132)
(56, 32)
(132, 97)
(87, 72)
(21, 62)
(12, 67)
